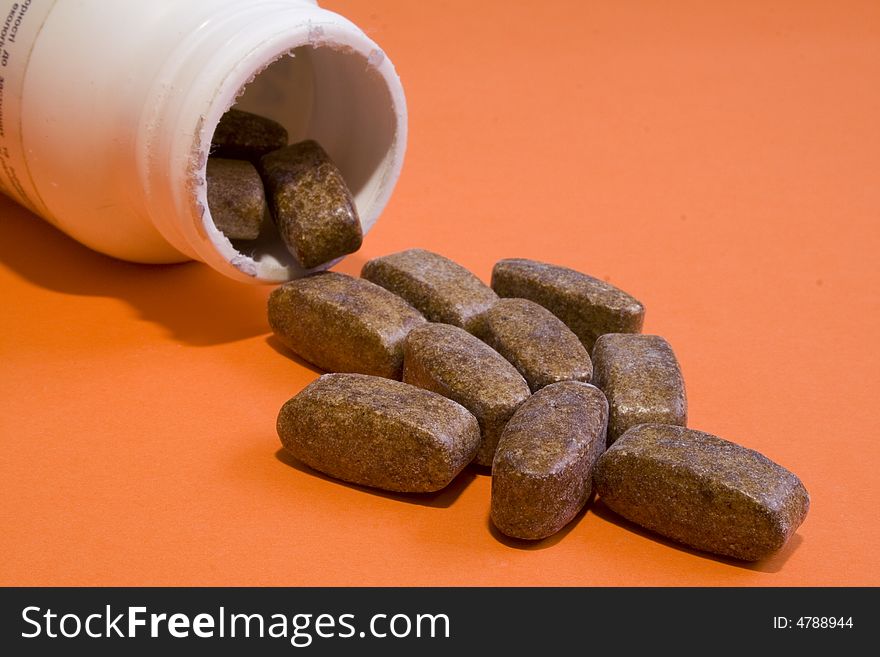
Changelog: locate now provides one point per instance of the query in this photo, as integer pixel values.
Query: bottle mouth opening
(344, 95)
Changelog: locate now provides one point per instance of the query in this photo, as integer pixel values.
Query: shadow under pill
(770, 564)
(275, 344)
(543, 543)
(480, 470)
(441, 499)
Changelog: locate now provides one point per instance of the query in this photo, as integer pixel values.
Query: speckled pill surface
(311, 204)
(541, 347)
(641, 378)
(587, 305)
(441, 289)
(242, 135)
(450, 361)
(343, 324)
(377, 432)
(543, 467)
(702, 491)
(236, 198)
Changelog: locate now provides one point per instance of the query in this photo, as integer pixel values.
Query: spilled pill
(642, 380)
(441, 289)
(450, 361)
(543, 467)
(378, 432)
(701, 490)
(536, 342)
(343, 324)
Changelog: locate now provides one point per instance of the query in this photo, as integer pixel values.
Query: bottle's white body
(108, 109)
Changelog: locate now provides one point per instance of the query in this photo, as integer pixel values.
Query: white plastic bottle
(107, 110)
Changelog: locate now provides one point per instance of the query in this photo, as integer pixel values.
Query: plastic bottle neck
(308, 68)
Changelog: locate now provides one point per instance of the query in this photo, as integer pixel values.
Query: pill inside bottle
(324, 177)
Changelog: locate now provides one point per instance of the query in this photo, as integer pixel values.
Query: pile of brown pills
(257, 182)
(521, 392)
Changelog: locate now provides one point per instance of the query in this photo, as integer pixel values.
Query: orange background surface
(720, 161)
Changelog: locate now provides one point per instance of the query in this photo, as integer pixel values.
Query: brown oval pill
(377, 432)
(587, 305)
(236, 198)
(242, 135)
(311, 204)
(343, 324)
(642, 380)
(536, 342)
(455, 364)
(543, 468)
(703, 491)
(441, 289)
